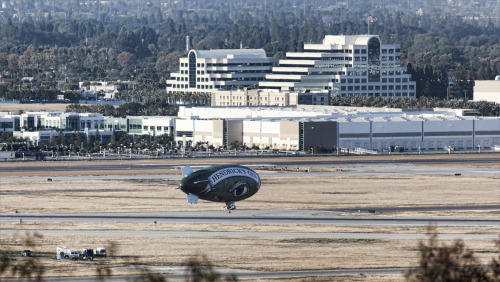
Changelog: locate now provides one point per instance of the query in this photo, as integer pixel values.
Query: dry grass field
(297, 191)
(38, 107)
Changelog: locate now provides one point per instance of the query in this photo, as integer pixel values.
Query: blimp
(220, 183)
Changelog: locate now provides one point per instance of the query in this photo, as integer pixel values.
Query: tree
(97, 140)
(126, 60)
(451, 263)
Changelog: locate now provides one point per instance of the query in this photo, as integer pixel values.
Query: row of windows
(390, 51)
(356, 51)
(242, 65)
(332, 59)
(383, 73)
(331, 66)
(185, 86)
(384, 80)
(184, 133)
(377, 87)
(202, 65)
(382, 94)
(157, 128)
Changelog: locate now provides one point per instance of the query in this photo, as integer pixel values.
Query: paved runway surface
(178, 274)
(278, 217)
(115, 165)
(261, 235)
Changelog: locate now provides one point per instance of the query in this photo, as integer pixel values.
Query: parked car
(26, 253)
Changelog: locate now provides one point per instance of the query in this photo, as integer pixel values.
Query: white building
(345, 65)
(104, 88)
(267, 97)
(150, 125)
(336, 127)
(203, 71)
(487, 90)
(39, 127)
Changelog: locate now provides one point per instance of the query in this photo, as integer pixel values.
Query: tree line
(57, 53)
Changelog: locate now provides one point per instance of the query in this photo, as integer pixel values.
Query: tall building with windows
(345, 65)
(203, 71)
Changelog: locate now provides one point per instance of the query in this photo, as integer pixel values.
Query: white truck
(63, 252)
(100, 252)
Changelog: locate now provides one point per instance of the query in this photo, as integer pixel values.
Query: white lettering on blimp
(222, 174)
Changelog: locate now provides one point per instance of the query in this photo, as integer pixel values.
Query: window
(192, 69)
(374, 60)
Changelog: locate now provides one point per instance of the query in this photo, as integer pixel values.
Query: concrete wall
(289, 135)
(487, 90)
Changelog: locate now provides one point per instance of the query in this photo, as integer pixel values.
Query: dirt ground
(38, 107)
(298, 191)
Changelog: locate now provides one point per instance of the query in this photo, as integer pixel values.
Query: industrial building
(487, 90)
(284, 128)
(333, 128)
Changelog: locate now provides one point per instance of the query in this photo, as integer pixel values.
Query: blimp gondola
(220, 183)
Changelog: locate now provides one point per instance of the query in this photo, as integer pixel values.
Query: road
(178, 274)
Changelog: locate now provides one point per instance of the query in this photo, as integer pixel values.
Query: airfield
(316, 218)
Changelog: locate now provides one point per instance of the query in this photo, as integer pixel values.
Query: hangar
(330, 128)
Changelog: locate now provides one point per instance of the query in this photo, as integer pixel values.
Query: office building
(344, 65)
(203, 71)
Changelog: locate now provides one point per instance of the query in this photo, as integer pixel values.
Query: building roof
(347, 39)
(230, 53)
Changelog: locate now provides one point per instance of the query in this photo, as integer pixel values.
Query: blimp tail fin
(192, 199)
(186, 170)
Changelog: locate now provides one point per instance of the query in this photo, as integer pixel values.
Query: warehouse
(332, 128)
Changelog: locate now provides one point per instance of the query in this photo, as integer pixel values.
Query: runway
(174, 273)
(275, 217)
(264, 161)
(260, 235)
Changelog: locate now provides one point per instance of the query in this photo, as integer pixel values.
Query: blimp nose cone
(185, 188)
